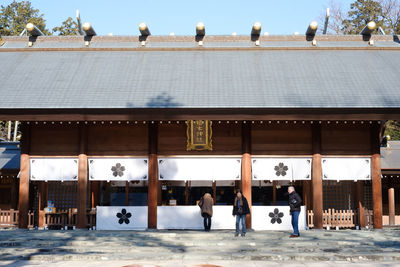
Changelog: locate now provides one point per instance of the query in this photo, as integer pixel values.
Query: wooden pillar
(214, 187)
(187, 193)
(94, 187)
(82, 178)
(42, 202)
(14, 193)
(317, 177)
(360, 203)
(153, 185)
(307, 194)
(23, 204)
(274, 193)
(392, 210)
(127, 193)
(376, 175)
(246, 167)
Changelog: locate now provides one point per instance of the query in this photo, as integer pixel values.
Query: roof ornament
(145, 32)
(255, 33)
(200, 33)
(89, 32)
(367, 31)
(311, 32)
(326, 22)
(78, 20)
(33, 32)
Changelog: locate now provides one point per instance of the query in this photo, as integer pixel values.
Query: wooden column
(94, 188)
(359, 205)
(214, 187)
(317, 177)
(307, 194)
(376, 175)
(274, 193)
(82, 178)
(246, 167)
(42, 202)
(23, 204)
(14, 193)
(392, 210)
(127, 193)
(187, 193)
(153, 185)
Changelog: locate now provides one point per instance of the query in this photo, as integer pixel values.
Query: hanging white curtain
(281, 169)
(199, 169)
(54, 169)
(346, 168)
(118, 169)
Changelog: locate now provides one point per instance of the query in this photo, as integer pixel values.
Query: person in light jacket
(240, 210)
(295, 206)
(206, 205)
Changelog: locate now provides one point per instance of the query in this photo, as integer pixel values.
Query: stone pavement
(188, 248)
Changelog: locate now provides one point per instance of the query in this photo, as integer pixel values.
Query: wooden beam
(23, 204)
(246, 167)
(317, 177)
(82, 178)
(153, 184)
(157, 114)
(376, 174)
(392, 209)
(360, 203)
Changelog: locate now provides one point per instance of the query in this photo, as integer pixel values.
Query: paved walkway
(186, 248)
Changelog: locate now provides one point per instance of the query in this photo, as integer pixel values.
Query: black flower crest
(281, 169)
(124, 216)
(276, 216)
(118, 170)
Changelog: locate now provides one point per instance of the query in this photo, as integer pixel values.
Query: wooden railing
(8, 218)
(67, 218)
(333, 218)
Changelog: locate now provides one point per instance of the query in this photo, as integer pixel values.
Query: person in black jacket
(295, 205)
(240, 209)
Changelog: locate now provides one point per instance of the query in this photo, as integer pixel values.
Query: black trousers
(207, 221)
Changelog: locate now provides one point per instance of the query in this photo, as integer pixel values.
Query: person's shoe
(236, 234)
(243, 235)
(293, 236)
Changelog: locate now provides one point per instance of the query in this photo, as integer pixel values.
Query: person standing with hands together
(240, 210)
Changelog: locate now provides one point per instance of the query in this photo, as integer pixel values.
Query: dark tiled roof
(10, 154)
(238, 74)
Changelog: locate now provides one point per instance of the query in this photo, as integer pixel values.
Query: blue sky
(121, 17)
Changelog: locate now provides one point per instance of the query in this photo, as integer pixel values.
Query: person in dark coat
(295, 205)
(206, 205)
(240, 210)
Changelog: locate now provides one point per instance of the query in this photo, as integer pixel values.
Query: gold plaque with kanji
(199, 135)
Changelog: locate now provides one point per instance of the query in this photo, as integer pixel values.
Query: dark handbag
(201, 202)
(240, 210)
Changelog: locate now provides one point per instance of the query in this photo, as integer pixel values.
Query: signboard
(199, 135)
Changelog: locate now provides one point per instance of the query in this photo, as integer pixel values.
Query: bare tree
(337, 15)
(391, 14)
